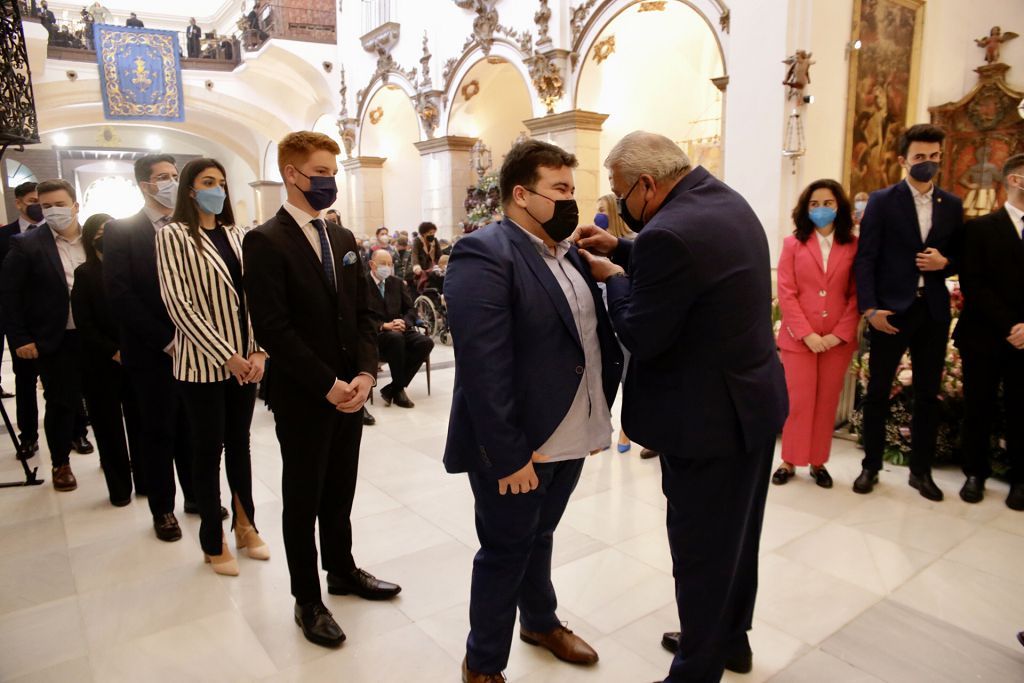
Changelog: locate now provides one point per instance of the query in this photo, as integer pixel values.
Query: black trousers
(26, 378)
(513, 566)
(404, 353)
(60, 371)
(715, 512)
(104, 385)
(926, 338)
(320, 456)
(220, 415)
(983, 371)
(166, 442)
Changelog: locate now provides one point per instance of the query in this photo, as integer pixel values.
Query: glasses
(163, 177)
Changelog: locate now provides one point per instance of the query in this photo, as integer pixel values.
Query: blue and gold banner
(140, 73)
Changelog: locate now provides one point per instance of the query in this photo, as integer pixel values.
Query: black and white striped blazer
(201, 300)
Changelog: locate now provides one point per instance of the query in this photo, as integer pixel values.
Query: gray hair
(641, 152)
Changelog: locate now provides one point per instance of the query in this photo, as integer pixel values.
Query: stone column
(269, 195)
(578, 132)
(365, 193)
(446, 175)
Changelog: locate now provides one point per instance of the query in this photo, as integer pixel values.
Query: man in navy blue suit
(536, 370)
(690, 299)
(35, 286)
(909, 239)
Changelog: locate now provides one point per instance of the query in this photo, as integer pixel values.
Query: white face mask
(384, 272)
(59, 218)
(166, 192)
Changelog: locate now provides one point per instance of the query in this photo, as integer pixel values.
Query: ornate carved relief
(484, 24)
(546, 73)
(652, 6)
(604, 49)
(425, 64)
(541, 18)
(428, 108)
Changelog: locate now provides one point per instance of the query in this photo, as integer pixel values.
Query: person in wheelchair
(401, 345)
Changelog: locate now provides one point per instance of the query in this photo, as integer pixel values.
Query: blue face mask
(211, 200)
(384, 272)
(322, 192)
(822, 216)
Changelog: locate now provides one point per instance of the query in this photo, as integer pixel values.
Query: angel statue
(993, 41)
(799, 74)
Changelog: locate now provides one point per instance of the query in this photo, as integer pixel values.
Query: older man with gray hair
(691, 300)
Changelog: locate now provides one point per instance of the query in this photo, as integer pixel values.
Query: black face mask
(322, 192)
(634, 224)
(97, 244)
(34, 212)
(924, 171)
(563, 221)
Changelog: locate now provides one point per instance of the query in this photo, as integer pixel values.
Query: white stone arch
(608, 10)
(503, 48)
(394, 78)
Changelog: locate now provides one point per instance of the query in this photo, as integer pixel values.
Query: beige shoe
(248, 540)
(224, 564)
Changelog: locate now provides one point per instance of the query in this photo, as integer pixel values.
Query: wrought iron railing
(18, 122)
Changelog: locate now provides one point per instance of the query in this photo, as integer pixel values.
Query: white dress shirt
(155, 217)
(825, 242)
(72, 255)
(24, 225)
(305, 222)
(923, 206)
(587, 426)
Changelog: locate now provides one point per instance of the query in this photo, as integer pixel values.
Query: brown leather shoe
(64, 478)
(563, 644)
(474, 677)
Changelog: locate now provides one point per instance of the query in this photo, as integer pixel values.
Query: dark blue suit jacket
(704, 378)
(890, 239)
(518, 356)
(133, 290)
(6, 233)
(34, 292)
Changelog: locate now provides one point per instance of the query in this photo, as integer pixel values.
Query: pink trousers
(814, 382)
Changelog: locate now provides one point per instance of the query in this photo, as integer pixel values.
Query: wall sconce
(480, 159)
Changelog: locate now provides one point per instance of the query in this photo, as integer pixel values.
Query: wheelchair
(431, 312)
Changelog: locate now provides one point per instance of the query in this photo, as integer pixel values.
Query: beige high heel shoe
(224, 564)
(246, 537)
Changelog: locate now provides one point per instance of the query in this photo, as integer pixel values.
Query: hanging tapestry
(140, 73)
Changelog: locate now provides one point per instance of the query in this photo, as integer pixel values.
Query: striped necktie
(325, 252)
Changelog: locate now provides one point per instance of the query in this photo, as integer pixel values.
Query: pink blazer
(813, 301)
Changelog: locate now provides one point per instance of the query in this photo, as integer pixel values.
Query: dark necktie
(325, 252)
(32, 227)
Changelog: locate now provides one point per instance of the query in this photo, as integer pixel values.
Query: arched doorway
(491, 103)
(652, 70)
(388, 130)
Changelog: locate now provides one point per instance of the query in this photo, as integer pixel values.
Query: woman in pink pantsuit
(819, 325)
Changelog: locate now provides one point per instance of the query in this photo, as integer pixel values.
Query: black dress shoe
(925, 486)
(6, 394)
(363, 584)
(28, 449)
(166, 527)
(1015, 501)
(318, 625)
(121, 503)
(740, 660)
(821, 477)
(973, 490)
(647, 454)
(865, 482)
(782, 475)
(192, 508)
(368, 420)
(401, 399)
(81, 445)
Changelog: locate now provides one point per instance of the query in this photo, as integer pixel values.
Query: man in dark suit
(193, 35)
(147, 341)
(134, 21)
(26, 374)
(704, 387)
(536, 371)
(30, 216)
(307, 297)
(35, 286)
(990, 336)
(908, 246)
(401, 346)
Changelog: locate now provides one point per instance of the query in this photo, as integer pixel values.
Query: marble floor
(888, 587)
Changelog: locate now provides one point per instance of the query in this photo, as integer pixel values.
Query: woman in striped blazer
(217, 363)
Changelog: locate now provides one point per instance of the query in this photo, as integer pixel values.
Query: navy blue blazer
(518, 356)
(704, 378)
(6, 233)
(34, 291)
(890, 239)
(133, 290)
